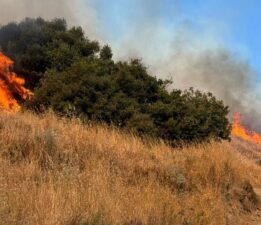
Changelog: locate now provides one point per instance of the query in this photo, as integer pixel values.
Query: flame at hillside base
(239, 130)
(11, 86)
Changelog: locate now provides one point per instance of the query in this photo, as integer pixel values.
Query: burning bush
(240, 131)
(10, 85)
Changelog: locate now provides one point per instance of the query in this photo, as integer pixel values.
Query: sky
(235, 23)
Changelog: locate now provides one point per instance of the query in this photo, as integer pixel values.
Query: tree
(106, 53)
(37, 45)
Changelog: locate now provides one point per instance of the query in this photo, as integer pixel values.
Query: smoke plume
(219, 71)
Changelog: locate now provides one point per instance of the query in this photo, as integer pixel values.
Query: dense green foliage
(80, 78)
(36, 45)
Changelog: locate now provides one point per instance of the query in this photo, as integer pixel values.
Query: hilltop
(60, 171)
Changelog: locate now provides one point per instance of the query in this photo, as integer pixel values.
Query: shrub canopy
(72, 74)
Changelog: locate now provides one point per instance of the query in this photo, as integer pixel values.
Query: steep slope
(59, 171)
(250, 154)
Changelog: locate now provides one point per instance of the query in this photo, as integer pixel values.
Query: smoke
(76, 12)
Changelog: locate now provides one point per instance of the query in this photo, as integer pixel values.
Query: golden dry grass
(58, 171)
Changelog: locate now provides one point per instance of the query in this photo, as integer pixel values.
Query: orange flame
(10, 86)
(240, 131)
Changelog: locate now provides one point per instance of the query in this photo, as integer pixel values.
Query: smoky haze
(76, 12)
(218, 71)
(196, 58)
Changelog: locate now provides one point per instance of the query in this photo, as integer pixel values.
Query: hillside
(58, 171)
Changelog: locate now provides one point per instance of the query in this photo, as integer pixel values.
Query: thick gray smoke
(219, 71)
(76, 12)
(213, 68)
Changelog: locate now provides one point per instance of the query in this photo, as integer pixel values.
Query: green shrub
(125, 95)
(78, 78)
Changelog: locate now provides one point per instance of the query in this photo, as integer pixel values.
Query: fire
(240, 131)
(11, 86)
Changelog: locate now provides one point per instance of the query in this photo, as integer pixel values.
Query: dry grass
(56, 171)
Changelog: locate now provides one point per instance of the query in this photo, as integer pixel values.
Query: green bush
(80, 78)
(123, 94)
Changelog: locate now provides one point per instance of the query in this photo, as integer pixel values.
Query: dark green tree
(37, 45)
(106, 53)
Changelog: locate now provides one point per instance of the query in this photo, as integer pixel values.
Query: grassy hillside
(58, 171)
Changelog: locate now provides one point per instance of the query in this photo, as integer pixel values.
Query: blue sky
(236, 22)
